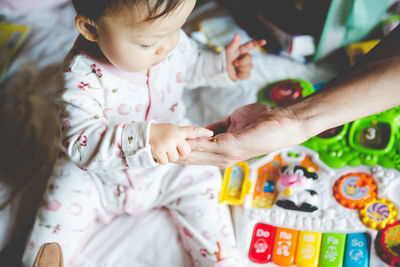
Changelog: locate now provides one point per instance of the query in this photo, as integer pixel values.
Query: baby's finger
(194, 132)
(243, 75)
(183, 149)
(243, 60)
(173, 155)
(244, 68)
(161, 158)
(245, 48)
(234, 44)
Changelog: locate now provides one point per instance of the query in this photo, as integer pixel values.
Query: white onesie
(106, 115)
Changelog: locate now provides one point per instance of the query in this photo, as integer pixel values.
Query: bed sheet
(28, 133)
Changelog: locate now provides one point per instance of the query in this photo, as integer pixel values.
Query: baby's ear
(87, 28)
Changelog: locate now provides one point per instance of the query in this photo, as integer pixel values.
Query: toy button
(308, 248)
(287, 192)
(354, 190)
(261, 243)
(332, 249)
(285, 92)
(235, 182)
(378, 213)
(285, 246)
(387, 244)
(357, 250)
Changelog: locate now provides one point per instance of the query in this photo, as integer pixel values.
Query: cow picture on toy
(296, 189)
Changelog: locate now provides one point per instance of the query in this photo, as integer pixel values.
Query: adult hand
(250, 131)
(238, 59)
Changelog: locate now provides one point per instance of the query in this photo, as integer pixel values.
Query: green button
(332, 250)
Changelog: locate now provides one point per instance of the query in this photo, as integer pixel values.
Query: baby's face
(134, 45)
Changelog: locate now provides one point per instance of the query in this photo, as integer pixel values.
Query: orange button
(285, 246)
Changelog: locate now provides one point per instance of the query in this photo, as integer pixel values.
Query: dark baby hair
(93, 9)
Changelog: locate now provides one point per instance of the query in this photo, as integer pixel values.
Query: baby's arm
(238, 59)
(89, 139)
(207, 67)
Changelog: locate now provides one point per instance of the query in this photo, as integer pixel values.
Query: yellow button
(308, 248)
(287, 192)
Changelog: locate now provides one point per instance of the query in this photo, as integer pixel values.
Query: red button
(262, 243)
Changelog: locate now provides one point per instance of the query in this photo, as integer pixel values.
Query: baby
(120, 111)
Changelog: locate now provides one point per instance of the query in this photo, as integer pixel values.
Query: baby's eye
(146, 46)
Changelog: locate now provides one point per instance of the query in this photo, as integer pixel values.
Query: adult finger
(204, 144)
(195, 132)
(206, 158)
(246, 47)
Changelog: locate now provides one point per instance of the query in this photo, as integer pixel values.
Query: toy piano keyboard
(290, 208)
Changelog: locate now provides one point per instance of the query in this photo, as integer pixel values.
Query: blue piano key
(357, 250)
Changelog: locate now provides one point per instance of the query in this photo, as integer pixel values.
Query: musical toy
(332, 201)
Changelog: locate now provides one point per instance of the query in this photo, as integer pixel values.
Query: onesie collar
(92, 51)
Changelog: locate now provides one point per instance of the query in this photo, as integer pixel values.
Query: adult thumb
(195, 132)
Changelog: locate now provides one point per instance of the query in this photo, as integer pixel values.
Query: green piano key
(332, 250)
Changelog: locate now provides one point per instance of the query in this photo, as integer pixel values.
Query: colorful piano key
(357, 250)
(262, 243)
(332, 250)
(308, 248)
(285, 245)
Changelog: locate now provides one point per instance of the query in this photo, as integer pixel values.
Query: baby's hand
(238, 60)
(168, 141)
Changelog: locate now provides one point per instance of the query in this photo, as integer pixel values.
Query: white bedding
(28, 132)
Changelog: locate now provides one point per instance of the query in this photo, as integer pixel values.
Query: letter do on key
(262, 233)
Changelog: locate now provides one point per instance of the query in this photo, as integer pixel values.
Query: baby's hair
(94, 9)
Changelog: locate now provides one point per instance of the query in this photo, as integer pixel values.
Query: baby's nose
(164, 49)
(160, 51)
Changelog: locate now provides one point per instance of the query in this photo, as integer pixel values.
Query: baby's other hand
(168, 141)
(238, 59)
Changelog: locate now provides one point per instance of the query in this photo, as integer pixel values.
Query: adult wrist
(303, 119)
(290, 120)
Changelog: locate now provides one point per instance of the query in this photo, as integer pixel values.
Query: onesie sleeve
(89, 139)
(205, 67)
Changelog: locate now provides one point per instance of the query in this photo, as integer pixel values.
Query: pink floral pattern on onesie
(96, 70)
